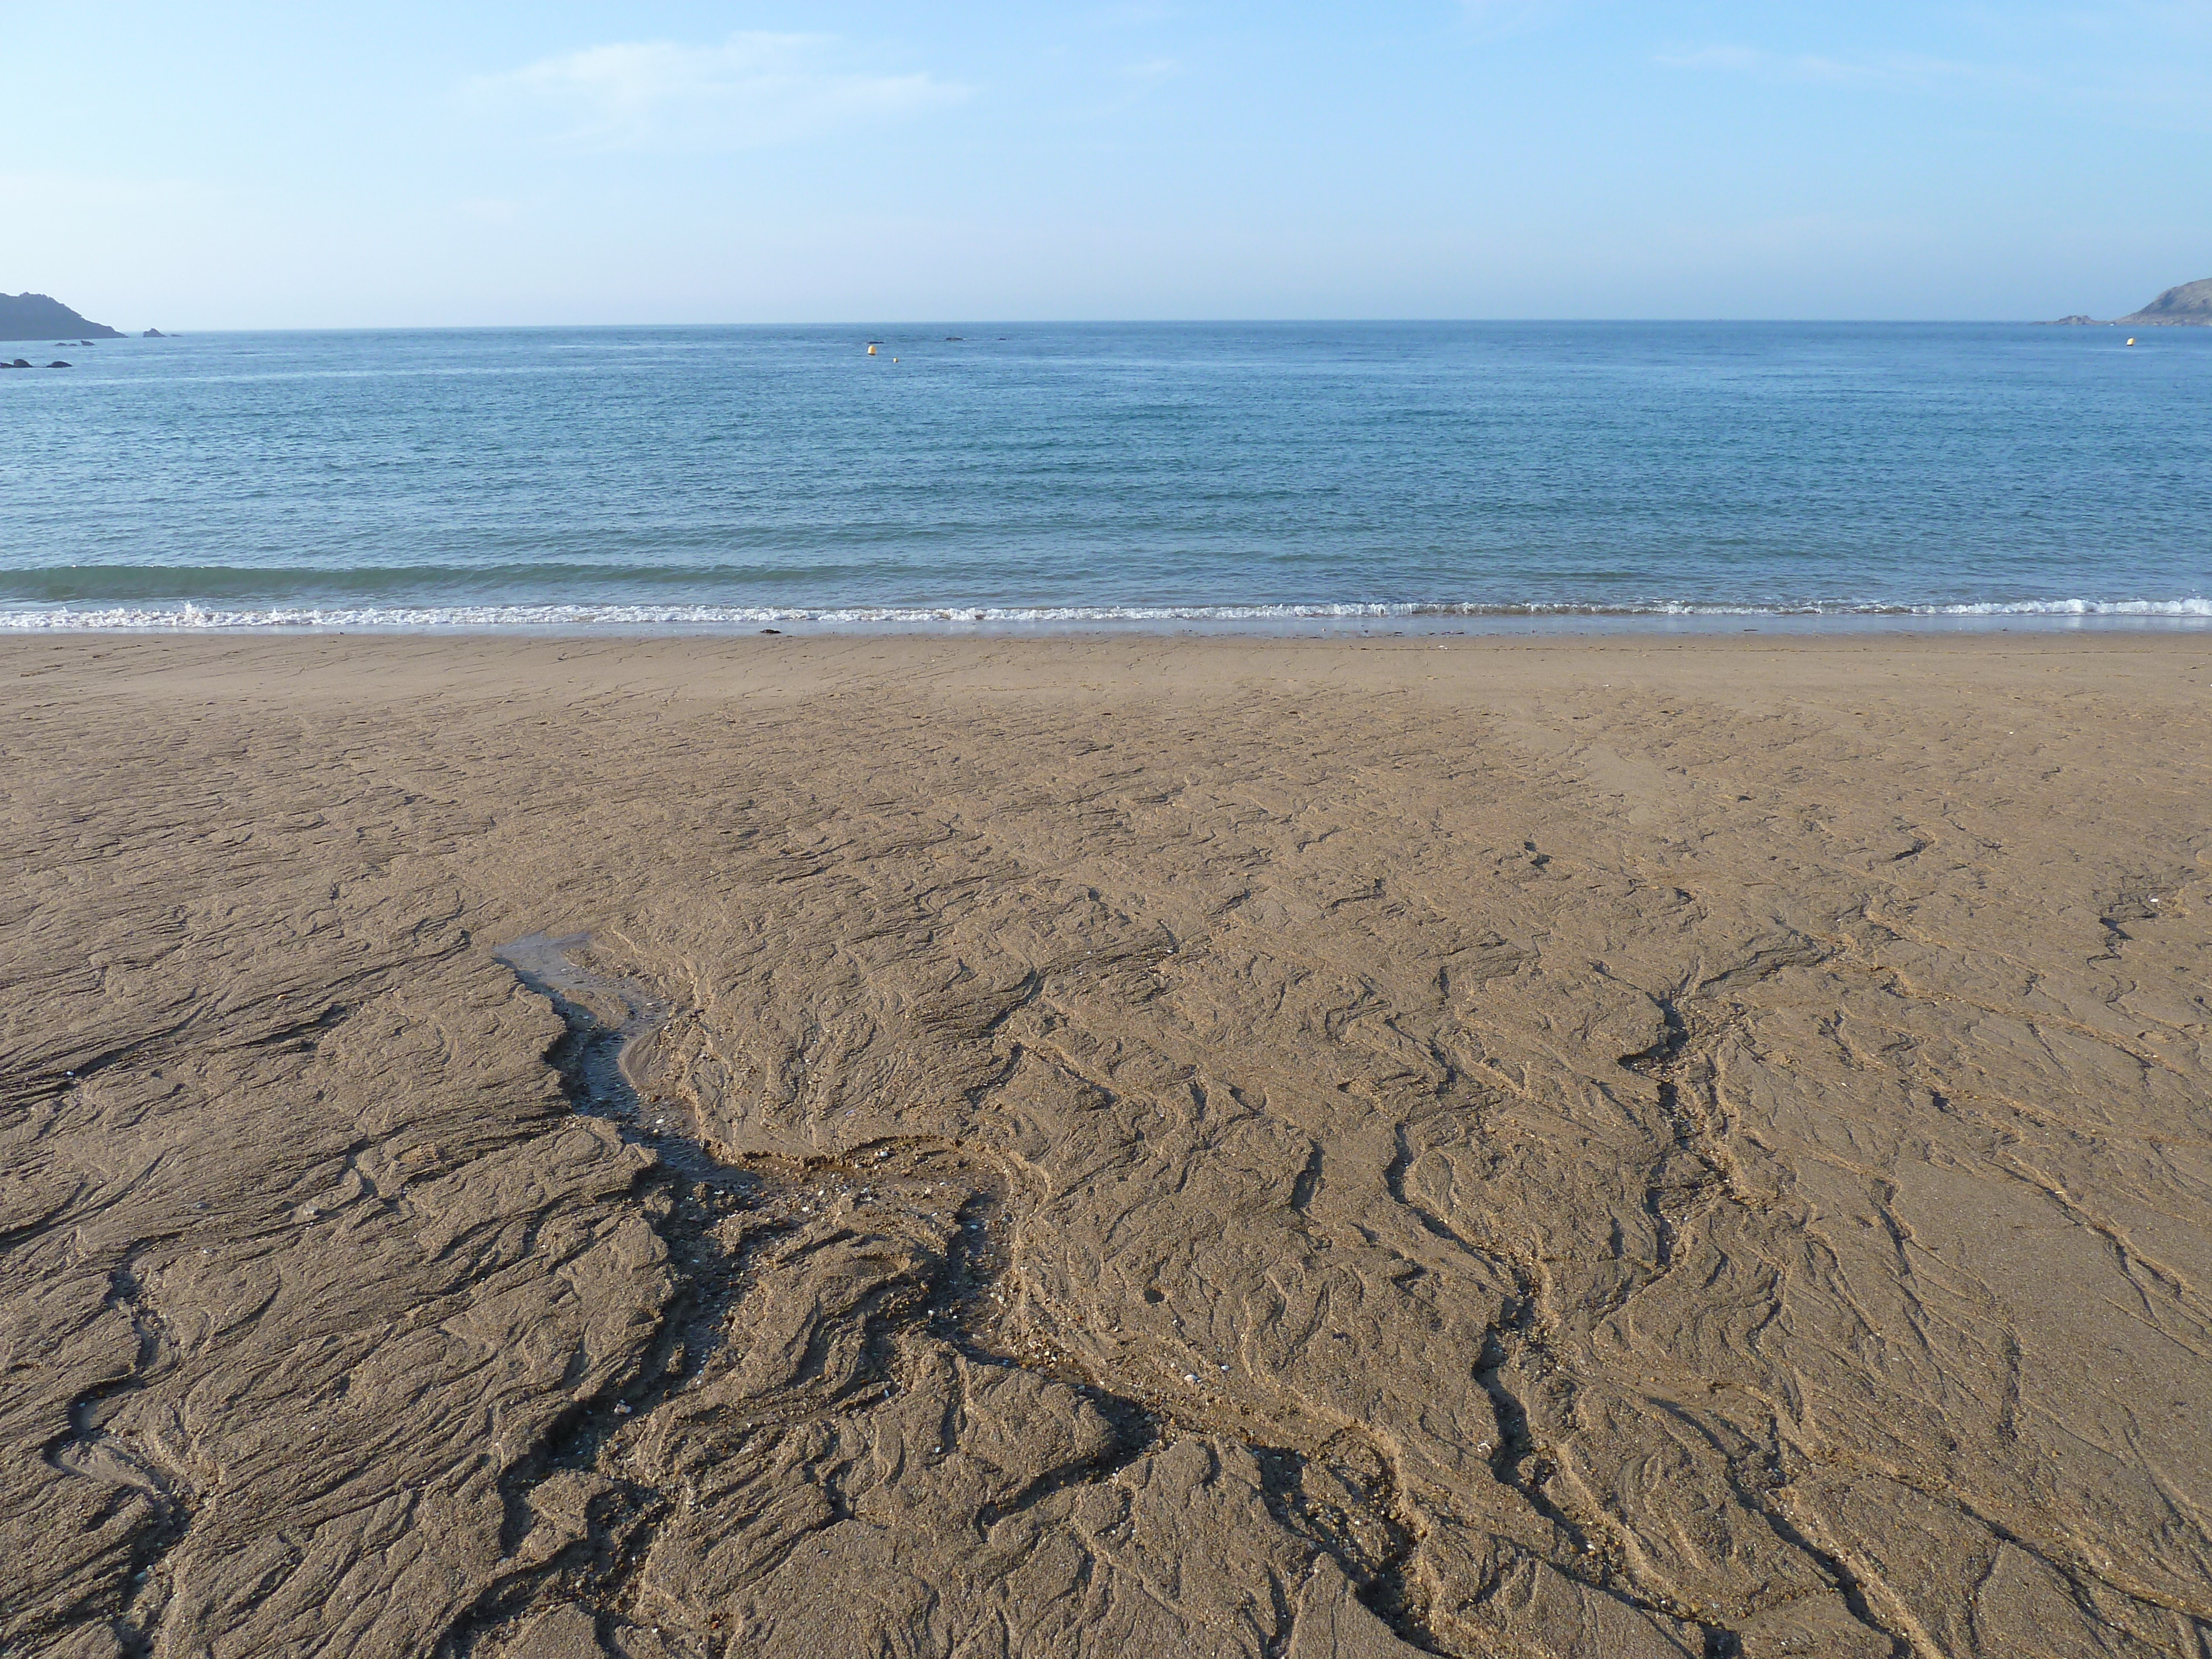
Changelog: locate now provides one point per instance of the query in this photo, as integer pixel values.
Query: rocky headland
(2188, 306)
(41, 317)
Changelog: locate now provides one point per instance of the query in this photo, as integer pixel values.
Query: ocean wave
(189, 618)
(2190, 607)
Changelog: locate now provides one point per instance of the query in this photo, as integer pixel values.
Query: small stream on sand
(728, 1224)
(956, 1203)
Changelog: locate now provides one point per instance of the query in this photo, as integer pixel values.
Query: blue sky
(405, 164)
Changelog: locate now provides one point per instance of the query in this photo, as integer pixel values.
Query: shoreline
(2181, 617)
(1047, 654)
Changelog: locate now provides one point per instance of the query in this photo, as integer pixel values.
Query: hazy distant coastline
(2188, 306)
(41, 317)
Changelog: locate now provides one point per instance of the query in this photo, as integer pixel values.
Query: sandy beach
(1133, 1145)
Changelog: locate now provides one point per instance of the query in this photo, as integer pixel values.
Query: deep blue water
(746, 475)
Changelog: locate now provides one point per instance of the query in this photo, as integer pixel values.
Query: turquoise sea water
(737, 476)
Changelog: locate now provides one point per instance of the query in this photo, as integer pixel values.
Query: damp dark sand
(1605, 1147)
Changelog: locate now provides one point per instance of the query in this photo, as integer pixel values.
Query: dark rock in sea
(153, 334)
(2076, 322)
(59, 363)
(39, 316)
(21, 362)
(771, 630)
(2188, 305)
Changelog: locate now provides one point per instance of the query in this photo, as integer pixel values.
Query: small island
(2188, 305)
(39, 317)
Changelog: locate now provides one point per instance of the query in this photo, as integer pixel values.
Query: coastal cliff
(39, 317)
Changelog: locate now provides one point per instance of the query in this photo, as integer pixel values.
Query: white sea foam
(195, 618)
(2197, 606)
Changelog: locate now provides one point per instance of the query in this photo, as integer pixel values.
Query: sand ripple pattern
(1058, 1147)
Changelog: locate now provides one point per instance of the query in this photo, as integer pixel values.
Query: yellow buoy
(2131, 339)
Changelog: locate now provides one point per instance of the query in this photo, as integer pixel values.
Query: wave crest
(432, 618)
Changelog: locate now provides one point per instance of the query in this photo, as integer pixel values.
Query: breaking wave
(189, 618)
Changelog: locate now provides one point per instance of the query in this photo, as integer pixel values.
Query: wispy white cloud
(751, 90)
(2134, 63)
(1153, 69)
(1887, 72)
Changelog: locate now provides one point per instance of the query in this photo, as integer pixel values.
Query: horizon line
(1157, 322)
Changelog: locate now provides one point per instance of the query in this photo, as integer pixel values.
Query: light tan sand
(1228, 1147)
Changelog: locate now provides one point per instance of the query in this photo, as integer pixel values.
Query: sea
(1282, 476)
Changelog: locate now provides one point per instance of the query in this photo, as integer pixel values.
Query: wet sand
(1105, 1147)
